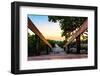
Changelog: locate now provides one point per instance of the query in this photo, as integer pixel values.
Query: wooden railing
(34, 29)
(83, 27)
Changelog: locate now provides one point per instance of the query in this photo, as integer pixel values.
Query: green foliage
(32, 49)
(67, 24)
(31, 45)
(31, 40)
(53, 42)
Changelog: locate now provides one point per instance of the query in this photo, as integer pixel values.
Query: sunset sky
(49, 30)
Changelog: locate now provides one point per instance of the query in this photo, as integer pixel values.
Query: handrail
(34, 29)
(83, 27)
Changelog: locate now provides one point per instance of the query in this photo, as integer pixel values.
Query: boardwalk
(58, 56)
(58, 53)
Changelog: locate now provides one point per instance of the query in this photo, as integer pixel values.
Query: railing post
(68, 48)
(78, 44)
(47, 49)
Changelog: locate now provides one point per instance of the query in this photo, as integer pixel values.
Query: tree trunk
(78, 44)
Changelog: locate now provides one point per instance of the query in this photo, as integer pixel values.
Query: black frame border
(15, 34)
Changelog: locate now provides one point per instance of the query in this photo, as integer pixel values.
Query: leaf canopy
(67, 23)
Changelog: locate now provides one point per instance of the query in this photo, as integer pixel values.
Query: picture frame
(21, 9)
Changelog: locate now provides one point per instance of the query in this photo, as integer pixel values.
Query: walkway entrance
(57, 52)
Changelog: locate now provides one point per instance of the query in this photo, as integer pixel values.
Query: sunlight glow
(49, 30)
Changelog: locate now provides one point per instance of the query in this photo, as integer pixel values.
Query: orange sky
(49, 30)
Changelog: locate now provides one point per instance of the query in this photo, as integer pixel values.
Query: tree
(31, 45)
(36, 46)
(67, 24)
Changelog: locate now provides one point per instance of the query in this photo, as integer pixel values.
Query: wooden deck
(58, 56)
(34, 29)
